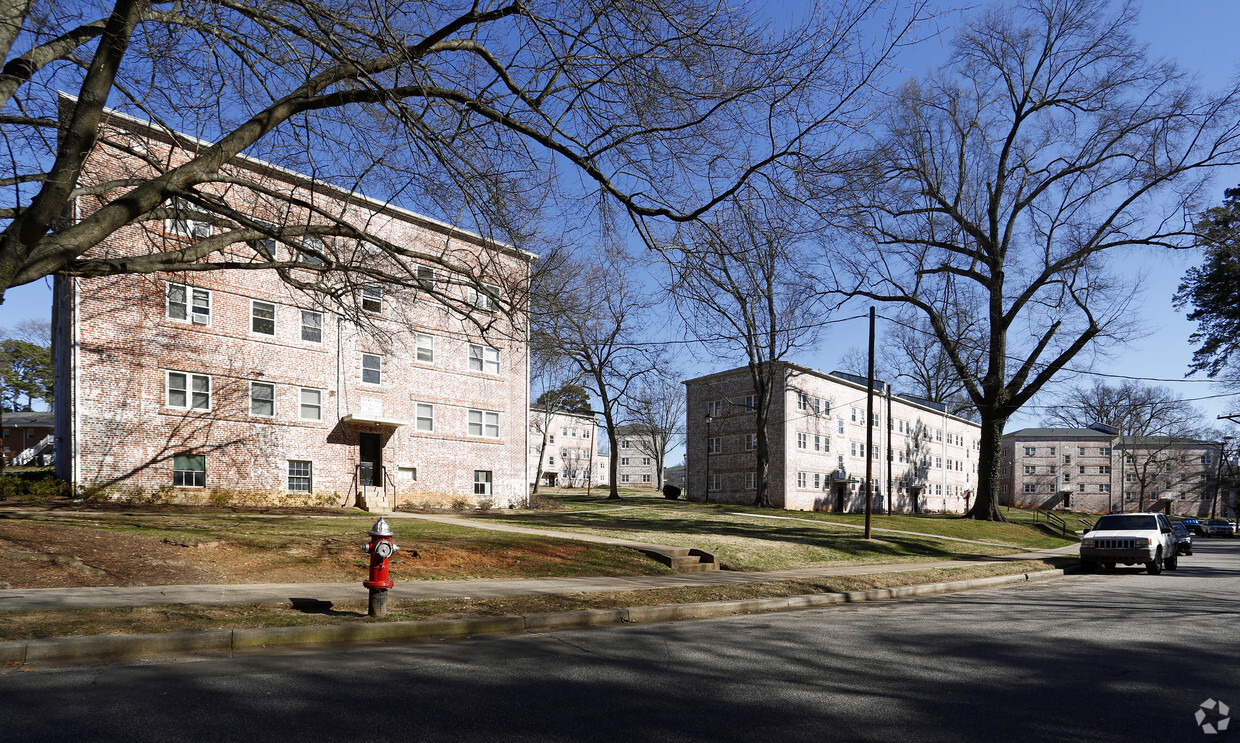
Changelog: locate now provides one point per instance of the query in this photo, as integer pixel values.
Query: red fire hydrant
(380, 549)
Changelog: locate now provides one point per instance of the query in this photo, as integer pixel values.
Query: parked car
(1194, 525)
(1218, 528)
(1183, 540)
(1130, 538)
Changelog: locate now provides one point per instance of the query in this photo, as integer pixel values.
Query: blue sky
(1198, 35)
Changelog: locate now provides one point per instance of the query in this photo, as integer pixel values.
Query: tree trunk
(989, 469)
(542, 454)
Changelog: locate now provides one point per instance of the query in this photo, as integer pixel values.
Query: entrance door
(370, 454)
(841, 491)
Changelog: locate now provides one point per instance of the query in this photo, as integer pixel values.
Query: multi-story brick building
(924, 459)
(571, 453)
(235, 381)
(636, 452)
(1096, 469)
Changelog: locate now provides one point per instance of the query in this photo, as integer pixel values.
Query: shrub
(459, 504)
(671, 492)
(543, 503)
(486, 504)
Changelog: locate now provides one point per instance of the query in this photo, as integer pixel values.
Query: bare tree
(737, 286)
(912, 357)
(468, 113)
(1153, 425)
(656, 414)
(1006, 180)
(596, 314)
(554, 375)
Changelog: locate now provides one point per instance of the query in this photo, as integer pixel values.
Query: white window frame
(714, 408)
(485, 422)
(483, 482)
(751, 441)
(188, 390)
(302, 404)
(802, 440)
(195, 302)
(751, 480)
(194, 229)
(372, 299)
(424, 348)
(269, 385)
(714, 445)
(716, 482)
(254, 318)
(308, 476)
(379, 380)
(424, 417)
(311, 313)
(802, 480)
(484, 359)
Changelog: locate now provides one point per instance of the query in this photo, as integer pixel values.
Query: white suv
(1130, 538)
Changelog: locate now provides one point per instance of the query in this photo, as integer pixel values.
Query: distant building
(923, 459)
(636, 453)
(1097, 470)
(28, 437)
(571, 452)
(675, 475)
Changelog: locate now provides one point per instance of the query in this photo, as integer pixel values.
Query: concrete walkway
(36, 599)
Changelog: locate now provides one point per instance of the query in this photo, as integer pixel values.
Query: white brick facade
(233, 380)
(571, 452)
(817, 441)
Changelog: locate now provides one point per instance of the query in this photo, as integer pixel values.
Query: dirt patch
(45, 551)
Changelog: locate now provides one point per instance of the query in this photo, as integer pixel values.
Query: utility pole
(869, 434)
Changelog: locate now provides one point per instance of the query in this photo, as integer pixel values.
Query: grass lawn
(745, 538)
(192, 618)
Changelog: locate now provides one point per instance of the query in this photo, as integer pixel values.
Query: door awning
(364, 419)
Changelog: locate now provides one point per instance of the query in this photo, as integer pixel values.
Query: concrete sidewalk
(42, 599)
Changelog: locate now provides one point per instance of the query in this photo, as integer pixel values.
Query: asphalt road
(1111, 657)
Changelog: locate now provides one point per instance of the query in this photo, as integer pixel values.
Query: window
(262, 399)
(751, 480)
(1104, 469)
(424, 418)
(1082, 487)
(1105, 451)
(817, 443)
(183, 224)
(751, 441)
(1031, 487)
(1104, 488)
(188, 304)
(189, 471)
(714, 407)
(1082, 469)
(624, 478)
(826, 407)
(551, 461)
(372, 298)
(482, 482)
(1067, 459)
(311, 326)
(425, 347)
(487, 299)
(1207, 458)
(938, 463)
(426, 277)
(802, 438)
(299, 476)
(817, 481)
(751, 402)
(802, 401)
(408, 474)
(646, 461)
(938, 434)
(484, 359)
(262, 318)
(311, 404)
(624, 444)
(313, 251)
(841, 425)
(484, 423)
(372, 368)
(1050, 450)
(714, 445)
(1130, 477)
(624, 461)
(646, 478)
(189, 391)
(800, 479)
(1080, 450)
(1031, 451)
(716, 482)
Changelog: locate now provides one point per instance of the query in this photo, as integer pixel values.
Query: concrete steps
(682, 559)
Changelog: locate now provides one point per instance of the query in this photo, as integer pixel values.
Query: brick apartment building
(1097, 470)
(637, 453)
(572, 450)
(233, 380)
(26, 437)
(923, 458)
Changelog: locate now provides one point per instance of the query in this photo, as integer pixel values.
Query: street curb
(112, 647)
